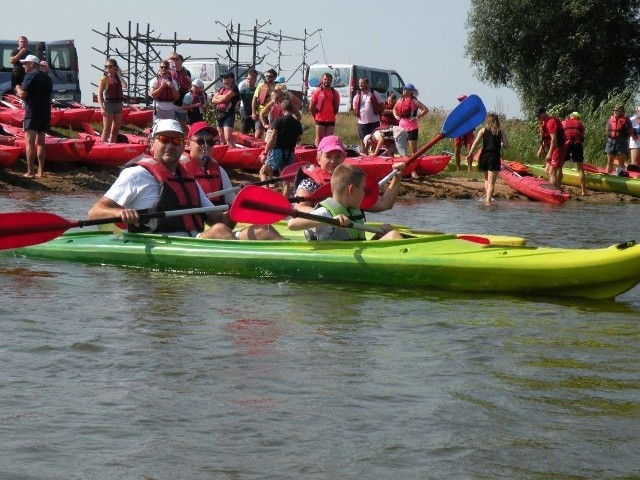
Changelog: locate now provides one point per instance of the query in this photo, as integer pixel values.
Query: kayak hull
(432, 164)
(438, 261)
(114, 154)
(9, 154)
(532, 187)
(602, 182)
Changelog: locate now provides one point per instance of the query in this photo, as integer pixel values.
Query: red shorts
(557, 157)
(466, 140)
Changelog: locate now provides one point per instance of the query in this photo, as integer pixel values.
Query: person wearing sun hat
(408, 109)
(195, 102)
(35, 90)
(331, 153)
(574, 141)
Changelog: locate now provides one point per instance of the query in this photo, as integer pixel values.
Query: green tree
(556, 52)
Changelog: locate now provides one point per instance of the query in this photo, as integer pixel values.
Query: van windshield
(341, 75)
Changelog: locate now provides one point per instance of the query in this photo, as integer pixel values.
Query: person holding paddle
(162, 183)
(331, 153)
(348, 192)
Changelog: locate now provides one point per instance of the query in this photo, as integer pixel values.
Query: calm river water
(109, 373)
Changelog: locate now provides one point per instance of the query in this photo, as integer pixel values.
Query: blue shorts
(617, 146)
(278, 159)
(227, 121)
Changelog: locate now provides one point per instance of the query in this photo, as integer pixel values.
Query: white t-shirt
(137, 188)
(162, 104)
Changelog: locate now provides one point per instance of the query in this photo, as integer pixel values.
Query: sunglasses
(164, 139)
(202, 141)
(163, 67)
(109, 66)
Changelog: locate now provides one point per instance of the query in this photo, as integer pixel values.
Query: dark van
(62, 58)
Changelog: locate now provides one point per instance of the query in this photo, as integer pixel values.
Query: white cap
(167, 125)
(197, 83)
(30, 58)
(366, 139)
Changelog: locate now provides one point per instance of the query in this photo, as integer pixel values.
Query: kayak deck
(438, 261)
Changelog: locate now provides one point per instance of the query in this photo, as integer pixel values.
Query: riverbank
(75, 178)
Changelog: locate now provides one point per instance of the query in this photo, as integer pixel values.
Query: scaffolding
(140, 50)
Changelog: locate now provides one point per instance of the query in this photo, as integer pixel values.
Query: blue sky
(421, 39)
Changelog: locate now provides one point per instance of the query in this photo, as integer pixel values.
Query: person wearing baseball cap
(408, 109)
(35, 90)
(331, 153)
(194, 102)
(150, 184)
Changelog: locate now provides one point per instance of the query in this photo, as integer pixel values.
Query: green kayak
(602, 182)
(430, 261)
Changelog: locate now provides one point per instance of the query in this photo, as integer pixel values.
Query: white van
(62, 57)
(345, 81)
(207, 71)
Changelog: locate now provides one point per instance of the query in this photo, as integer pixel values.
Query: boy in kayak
(162, 183)
(331, 153)
(348, 187)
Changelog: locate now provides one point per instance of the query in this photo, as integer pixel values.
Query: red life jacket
(167, 94)
(618, 127)
(405, 109)
(387, 119)
(315, 173)
(209, 179)
(374, 103)
(275, 113)
(176, 192)
(265, 93)
(113, 92)
(183, 79)
(573, 130)
(229, 105)
(546, 135)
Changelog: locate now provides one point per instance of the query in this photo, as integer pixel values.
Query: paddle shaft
(249, 203)
(413, 157)
(65, 224)
(258, 183)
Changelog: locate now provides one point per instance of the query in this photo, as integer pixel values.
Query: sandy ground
(70, 178)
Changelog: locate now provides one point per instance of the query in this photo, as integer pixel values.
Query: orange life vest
(617, 127)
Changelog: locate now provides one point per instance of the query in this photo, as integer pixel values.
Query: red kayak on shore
(432, 164)
(73, 117)
(58, 149)
(138, 117)
(518, 177)
(244, 158)
(15, 116)
(113, 154)
(303, 153)
(9, 154)
(380, 167)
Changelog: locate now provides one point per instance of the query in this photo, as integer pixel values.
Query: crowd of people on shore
(270, 112)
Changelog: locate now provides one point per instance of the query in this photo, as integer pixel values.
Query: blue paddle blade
(470, 113)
